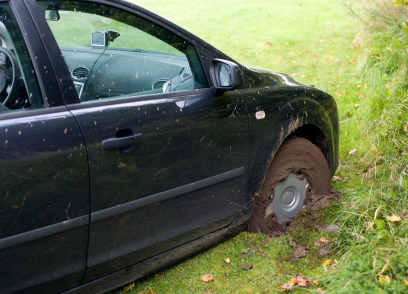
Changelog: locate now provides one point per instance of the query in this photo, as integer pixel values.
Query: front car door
(167, 153)
(44, 179)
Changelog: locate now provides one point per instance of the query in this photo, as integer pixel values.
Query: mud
(306, 161)
(322, 247)
(299, 253)
(250, 251)
(246, 267)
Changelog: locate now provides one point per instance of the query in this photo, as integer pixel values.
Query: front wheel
(298, 171)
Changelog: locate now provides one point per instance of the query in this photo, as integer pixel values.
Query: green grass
(364, 69)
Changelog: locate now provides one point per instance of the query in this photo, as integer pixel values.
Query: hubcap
(288, 199)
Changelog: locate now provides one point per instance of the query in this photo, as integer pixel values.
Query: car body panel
(181, 146)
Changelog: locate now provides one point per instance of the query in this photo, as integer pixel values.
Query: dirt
(299, 253)
(250, 251)
(328, 228)
(322, 247)
(246, 267)
(306, 161)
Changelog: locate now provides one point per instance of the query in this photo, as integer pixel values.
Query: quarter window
(112, 53)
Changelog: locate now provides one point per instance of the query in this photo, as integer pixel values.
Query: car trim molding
(102, 214)
(44, 232)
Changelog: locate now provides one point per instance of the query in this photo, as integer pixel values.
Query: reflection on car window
(18, 84)
(113, 53)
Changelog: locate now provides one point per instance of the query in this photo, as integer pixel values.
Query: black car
(128, 144)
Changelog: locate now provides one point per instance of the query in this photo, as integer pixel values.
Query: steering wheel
(11, 84)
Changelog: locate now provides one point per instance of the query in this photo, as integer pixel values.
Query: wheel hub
(288, 199)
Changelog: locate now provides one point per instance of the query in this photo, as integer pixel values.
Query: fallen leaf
(246, 267)
(121, 164)
(352, 151)
(361, 95)
(357, 105)
(260, 251)
(383, 278)
(15, 206)
(159, 277)
(227, 260)
(327, 261)
(129, 287)
(405, 281)
(366, 86)
(393, 218)
(406, 127)
(337, 178)
(288, 286)
(341, 156)
(338, 95)
(267, 87)
(323, 240)
(207, 277)
(132, 168)
(292, 242)
(320, 290)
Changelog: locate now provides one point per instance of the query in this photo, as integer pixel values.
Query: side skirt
(151, 265)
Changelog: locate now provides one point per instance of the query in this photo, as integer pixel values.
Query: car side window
(18, 84)
(112, 53)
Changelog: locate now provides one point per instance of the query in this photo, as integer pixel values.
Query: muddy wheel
(298, 171)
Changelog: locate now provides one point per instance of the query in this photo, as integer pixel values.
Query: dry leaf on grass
(320, 290)
(299, 281)
(207, 277)
(327, 261)
(383, 278)
(227, 260)
(323, 240)
(159, 277)
(352, 152)
(129, 287)
(406, 281)
(393, 218)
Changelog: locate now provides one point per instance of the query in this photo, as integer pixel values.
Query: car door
(44, 179)
(167, 152)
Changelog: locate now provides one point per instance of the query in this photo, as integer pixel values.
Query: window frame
(63, 73)
(50, 96)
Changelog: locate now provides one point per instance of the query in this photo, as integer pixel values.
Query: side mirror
(52, 15)
(226, 75)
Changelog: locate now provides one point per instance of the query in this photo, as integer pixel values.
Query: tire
(300, 163)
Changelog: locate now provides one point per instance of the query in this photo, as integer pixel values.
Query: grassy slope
(319, 43)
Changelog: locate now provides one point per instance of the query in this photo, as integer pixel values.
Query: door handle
(121, 142)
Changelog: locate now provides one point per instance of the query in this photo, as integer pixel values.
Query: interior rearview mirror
(226, 75)
(52, 15)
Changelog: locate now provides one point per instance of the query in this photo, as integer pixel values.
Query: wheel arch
(303, 117)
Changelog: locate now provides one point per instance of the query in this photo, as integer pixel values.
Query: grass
(362, 63)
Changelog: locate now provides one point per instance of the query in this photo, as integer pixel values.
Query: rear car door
(44, 179)
(167, 153)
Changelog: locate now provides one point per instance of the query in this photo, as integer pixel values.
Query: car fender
(293, 114)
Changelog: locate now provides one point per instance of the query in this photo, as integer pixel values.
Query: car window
(112, 53)
(18, 84)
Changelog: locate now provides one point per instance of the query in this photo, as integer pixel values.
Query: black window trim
(57, 60)
(50, 97)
